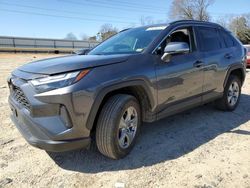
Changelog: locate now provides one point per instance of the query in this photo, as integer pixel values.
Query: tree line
(198, 10)
(184, 9)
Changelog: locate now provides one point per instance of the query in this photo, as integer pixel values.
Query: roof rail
(193, 21)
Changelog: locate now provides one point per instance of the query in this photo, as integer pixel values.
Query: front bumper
(37, 137)
(39, 116)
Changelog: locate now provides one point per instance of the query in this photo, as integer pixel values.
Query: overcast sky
(56, 18)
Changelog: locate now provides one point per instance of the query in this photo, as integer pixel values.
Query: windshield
(131, 41)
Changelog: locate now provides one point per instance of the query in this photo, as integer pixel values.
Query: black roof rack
(194, 21)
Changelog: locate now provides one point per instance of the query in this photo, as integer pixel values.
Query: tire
(110, 130)
(224, 103)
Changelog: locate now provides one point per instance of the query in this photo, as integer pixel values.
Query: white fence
(22, 44)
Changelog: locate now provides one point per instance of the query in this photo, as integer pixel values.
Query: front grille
(19, 96)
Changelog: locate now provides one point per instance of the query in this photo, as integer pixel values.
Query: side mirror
(174, 48)
(82, 52)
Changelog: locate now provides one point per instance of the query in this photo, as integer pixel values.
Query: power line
(56, 10)
(136, 4)
(60, 16)
(110, 7)
(223, 13)
(131, 5)
(96, 3)
(114, 5)
(71, 12)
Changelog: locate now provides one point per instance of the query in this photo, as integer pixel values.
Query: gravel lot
(202, 147)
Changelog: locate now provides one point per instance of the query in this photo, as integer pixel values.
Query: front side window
(179, 35)
(131, 41)
(209, 39)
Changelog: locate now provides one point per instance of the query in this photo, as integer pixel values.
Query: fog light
(65, 117)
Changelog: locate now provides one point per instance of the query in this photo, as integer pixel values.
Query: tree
(92, 39)
(222, 21)
(240, 26)
(106, 31)
(190, 9)
(146, 20)
(84, 37)
(70, 36)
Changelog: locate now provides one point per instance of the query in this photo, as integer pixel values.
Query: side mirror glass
(174, 48)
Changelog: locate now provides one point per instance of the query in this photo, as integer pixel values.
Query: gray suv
(139, 75)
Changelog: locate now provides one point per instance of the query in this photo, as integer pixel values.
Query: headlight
(58, 81)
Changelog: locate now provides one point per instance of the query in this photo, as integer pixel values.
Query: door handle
(228, 56)
(198, 64)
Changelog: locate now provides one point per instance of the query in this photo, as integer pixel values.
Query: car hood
(71, 63)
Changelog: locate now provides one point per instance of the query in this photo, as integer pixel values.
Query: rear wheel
(231, 95)
(118, 126)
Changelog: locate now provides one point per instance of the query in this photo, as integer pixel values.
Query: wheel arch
(137, 88)
(237, 70)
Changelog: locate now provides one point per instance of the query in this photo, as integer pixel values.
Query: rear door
(215, 57)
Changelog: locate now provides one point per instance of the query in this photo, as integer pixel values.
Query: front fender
(105, 90)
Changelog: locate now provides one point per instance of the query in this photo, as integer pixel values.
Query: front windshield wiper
(100, 54)
(116, 53)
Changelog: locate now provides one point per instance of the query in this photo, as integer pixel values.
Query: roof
(177, 22)
(183, 22)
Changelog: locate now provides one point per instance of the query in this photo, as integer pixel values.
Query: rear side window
(228, 39)
(209, 39)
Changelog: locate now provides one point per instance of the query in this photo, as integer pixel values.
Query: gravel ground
(202, 148)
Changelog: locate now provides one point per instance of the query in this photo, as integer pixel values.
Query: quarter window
(229, 41)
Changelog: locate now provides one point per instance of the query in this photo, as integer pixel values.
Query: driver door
(179, 81)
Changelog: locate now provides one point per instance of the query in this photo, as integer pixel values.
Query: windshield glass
(131, 41)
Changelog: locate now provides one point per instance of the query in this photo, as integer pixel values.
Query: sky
(56, 18)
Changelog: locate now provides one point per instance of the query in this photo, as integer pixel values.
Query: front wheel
(118, 126)
(231, 95)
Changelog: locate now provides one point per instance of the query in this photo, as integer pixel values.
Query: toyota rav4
(139, 75)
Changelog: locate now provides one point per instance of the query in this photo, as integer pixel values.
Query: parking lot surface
(202, 147)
